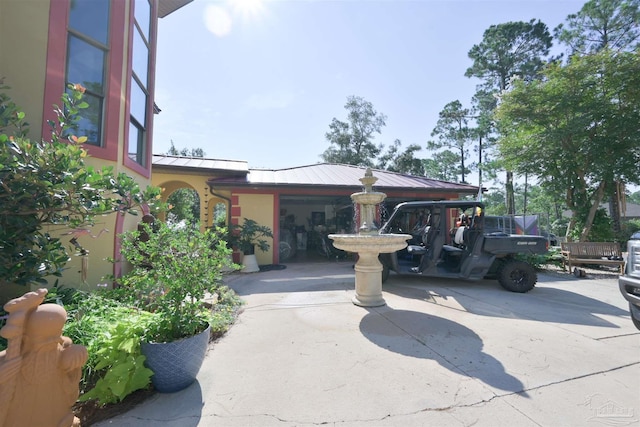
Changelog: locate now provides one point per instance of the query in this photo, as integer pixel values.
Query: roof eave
(167, 7)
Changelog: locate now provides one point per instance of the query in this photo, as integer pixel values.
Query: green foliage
(443, 165)
(539, 261)
(186, 152)
(248, 235)
(111, 331)
(49, 184)
(224, 311)
(172, 272)
(628, 228)
(600, 231)
(184, 205)
(634, 198)
(453, 132)
(404, 162)
(352, 141)
(576, 130)
(600, 24)
(119, 360)
(507, 50)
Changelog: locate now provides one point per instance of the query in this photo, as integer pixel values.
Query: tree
(402, 162)
(634, 198)
(184, 203)
(186, 152)
(508, 50)
(352, 141)
(444, 165)
(453, 133)
(604, 24)
(612, 24)
(483, 106)
(577, 130)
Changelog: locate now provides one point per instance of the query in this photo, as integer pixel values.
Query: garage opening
(305, 223)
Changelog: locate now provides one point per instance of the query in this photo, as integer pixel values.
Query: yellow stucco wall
(99, 240)
(197, 181)
(24, 26)
(259, 207)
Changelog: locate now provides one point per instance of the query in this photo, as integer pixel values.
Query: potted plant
(246, 237)
(174, 269)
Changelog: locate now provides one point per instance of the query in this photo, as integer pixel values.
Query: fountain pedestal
(368, 244)
(368, 281)
(368, 268)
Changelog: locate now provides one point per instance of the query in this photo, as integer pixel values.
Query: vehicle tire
(635, 321)
(285, 251)
(517, 276)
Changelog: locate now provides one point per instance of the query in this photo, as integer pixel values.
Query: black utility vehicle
(449, 240)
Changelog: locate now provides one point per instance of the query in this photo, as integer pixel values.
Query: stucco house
(300, 204)
(109, 47)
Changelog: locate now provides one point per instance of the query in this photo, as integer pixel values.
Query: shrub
(174, 268)
(47, 183)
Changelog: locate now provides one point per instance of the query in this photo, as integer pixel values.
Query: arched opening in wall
(184, 206)
(220, 214)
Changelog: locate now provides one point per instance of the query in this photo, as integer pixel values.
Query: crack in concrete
(617, 336)
(447, 408)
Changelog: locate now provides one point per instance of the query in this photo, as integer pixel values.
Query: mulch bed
(91, 413)
(591, 271)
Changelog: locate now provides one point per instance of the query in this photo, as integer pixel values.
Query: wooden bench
(598, 253)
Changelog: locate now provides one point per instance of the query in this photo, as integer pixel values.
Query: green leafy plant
(120, 360)
(47, 186)
(249, 235)
(111, 331)
(173, 270)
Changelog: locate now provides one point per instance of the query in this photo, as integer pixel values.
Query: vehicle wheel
(385, 272)
(285, 251)
(517, 276)
(635, 321)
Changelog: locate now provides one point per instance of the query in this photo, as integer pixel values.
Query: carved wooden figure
(40, 369)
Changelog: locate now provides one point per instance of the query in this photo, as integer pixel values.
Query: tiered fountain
(368, 244)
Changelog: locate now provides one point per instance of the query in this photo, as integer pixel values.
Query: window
(87, 49)
(139, 101)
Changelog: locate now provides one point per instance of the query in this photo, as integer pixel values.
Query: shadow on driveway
(452, 345)
(487, 298)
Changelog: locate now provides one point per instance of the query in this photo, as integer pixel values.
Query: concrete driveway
(441, 353)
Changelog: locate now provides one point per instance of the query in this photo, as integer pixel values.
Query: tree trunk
(510, 198)
(597, 199)
(614, 206)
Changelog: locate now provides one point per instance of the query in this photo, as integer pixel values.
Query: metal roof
(339, 175)
(200, 163)
(166, 7)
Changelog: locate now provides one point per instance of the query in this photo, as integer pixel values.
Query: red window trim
(145, 171)
(55, 75)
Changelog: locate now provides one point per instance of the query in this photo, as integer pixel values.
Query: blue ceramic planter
(176, 364)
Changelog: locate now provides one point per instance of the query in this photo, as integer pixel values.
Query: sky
(261, 80)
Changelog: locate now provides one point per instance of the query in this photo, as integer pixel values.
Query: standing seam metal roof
(327, 174)
(320, 174)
